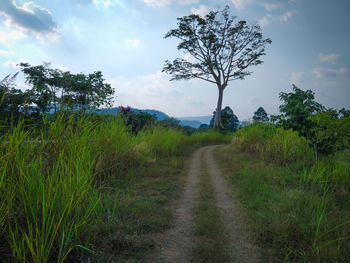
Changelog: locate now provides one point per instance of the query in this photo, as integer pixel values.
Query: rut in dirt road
(177, 247)
(179, 240)
(241, 249)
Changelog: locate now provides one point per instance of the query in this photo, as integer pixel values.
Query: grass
(296, 213)
(211, 243)
(85, 189)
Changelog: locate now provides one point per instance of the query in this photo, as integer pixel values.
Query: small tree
(13, 101)
(222, 50)
(260, 115)
(229, 120)
(45, 83)
(296, 109)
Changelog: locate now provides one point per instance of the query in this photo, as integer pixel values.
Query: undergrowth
(61, 188)
(297, 207)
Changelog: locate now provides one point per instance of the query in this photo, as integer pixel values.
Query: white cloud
(6, 53)
(157, 3)
(155, 91)
(162, 3)
(10, 36)
(189, 58)
(272, 6)
(132, 42)
(13, 64)
(29, 17)
(296, 77)
(330, 58)
(328, 72)
(108, 3)
(264, 20)
(286, 16)
(202, 10)
(239, 4)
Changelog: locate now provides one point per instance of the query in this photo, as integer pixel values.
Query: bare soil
(176, 244)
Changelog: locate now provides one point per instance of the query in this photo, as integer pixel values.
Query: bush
(274, 144)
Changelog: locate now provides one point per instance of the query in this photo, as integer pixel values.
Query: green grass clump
(209, 137)
(274, 144)
(163, 141)
(51, 197)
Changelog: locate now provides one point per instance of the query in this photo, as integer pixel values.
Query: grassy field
(87, 189)
(298, 210)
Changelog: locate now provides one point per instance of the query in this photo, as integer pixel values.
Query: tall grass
(49, 183)
(274, 144)
(304, 201)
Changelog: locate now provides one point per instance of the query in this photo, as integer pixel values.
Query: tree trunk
(217, 120)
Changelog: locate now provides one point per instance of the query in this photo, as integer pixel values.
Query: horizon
(125, 41)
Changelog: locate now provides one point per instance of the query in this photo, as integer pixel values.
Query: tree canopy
(229, 120)
(221, 50)
(296, 108)
(51, 87)
(260, 115)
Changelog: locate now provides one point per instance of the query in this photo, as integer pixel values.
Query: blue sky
(124, 39)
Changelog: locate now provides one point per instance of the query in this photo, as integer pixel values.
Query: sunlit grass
(54, 184)
(298, 207)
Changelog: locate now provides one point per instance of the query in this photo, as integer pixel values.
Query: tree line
(52, 90)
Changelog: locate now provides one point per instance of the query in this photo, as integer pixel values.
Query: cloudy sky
(124, 39)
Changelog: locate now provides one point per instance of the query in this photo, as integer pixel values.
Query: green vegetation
(211, 243)
(297, 207)
(222, 50)
(87, 188)
(229, 120)
(260, 115)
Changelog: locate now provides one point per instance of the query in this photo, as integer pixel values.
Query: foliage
(12, 101)
(274, 144)
(50, 184)
(260, 115)
(296, 108)
(136, 120)
(221, 49)
(295, 215)
(330, 133)
(54, 87)
(229, 120)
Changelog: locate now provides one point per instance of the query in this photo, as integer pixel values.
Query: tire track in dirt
(177, 243)
(242, 250)
(179, 239)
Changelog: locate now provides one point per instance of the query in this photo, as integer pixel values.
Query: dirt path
(178, 242)
(241, 249)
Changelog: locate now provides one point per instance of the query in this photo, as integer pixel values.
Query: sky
(125, 40)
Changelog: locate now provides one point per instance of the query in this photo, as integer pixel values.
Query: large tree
(222, 50)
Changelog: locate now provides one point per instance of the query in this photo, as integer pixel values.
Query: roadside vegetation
(293, 179)
(88, 188)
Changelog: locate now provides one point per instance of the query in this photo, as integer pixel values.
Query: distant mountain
(201, 119)
(159, 115)
(193, 124)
